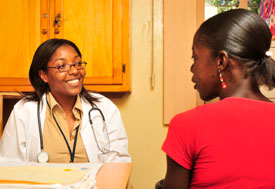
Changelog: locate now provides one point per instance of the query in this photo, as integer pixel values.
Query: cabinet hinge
(123, 68)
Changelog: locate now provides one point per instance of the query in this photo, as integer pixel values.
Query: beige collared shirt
(54, 142)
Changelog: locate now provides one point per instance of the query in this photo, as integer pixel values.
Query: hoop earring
(224, 86)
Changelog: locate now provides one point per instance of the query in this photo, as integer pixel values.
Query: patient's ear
(43, 76)
(222, 60)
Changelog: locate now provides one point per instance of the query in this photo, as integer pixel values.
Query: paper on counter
(48, 175)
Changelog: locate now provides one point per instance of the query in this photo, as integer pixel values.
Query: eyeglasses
(67, 67)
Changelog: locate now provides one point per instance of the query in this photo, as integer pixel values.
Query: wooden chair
(159, 184)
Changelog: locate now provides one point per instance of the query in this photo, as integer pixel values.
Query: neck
(239, 84)
(244, 88)
(66, 102)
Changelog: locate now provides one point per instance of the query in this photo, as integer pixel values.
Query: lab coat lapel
(87, 133)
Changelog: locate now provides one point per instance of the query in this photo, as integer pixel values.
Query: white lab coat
(20, 140)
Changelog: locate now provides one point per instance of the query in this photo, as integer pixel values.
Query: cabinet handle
(56, 31)
(44, 31)
(57, 20)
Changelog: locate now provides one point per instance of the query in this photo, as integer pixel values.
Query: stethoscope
(101, 134)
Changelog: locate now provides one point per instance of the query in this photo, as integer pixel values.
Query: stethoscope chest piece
(43, 157)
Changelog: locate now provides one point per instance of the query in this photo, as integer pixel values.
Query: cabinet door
(100, 30)
(19, 36)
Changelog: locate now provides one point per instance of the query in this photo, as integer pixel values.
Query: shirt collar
(53, 103)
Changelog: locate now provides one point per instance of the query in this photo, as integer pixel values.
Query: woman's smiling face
(64, 84)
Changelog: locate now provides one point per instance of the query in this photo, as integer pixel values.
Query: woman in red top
(230, 143)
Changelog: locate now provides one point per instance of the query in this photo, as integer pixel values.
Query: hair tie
(268, 53)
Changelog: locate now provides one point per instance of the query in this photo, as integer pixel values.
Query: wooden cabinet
(99, 28)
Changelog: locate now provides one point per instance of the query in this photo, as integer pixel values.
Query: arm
(13, 141)
(176, 176)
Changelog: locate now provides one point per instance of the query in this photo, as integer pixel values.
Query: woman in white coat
(61, 122)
